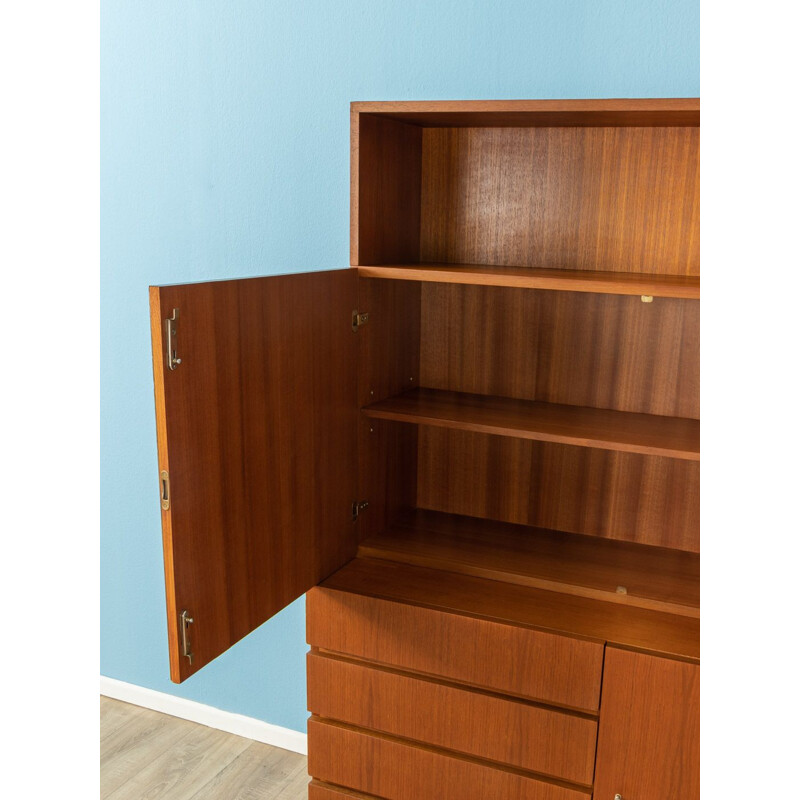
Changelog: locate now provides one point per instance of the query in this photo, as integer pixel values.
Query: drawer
(324, 791)
(493, 655)
(516, 733)
(396, 770)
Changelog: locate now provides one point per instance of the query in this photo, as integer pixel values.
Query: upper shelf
(649, 434)
(626, 283)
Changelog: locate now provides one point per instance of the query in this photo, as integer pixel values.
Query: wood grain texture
(389, 344)
(259, 417)
(355, 609)
(384, 191)
(387, 473)
(601, 351)
(521, 735)
(507, 658)
(394, 769)
(622, 431)
(624, 496)
(511, 113)
(649, 741)
(569, 280)
(612, 199)
(653, 577)
(319, 790)
(388, 363)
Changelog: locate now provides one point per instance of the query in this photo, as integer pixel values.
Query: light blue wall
(225, 150)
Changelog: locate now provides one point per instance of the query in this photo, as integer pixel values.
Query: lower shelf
(637, 575)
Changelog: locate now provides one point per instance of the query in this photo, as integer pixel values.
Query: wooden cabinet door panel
(649, 741)
(257, 432)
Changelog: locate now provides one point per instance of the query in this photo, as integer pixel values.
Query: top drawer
(507, 658)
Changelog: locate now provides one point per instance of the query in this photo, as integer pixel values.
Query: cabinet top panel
(637, 112)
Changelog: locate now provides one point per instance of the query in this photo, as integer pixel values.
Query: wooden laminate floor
(145, 755)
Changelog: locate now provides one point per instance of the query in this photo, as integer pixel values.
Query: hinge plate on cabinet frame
(359, 319)
(358, 507)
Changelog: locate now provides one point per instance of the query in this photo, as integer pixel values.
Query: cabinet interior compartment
(611, 201)
(548, 438)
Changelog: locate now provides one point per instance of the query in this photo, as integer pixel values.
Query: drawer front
(512, 732)
(493, 655)
(323, 791)
(396, 770)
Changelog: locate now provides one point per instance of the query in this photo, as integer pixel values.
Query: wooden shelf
(649, 434)
(588, 566)
(566, 280)
(640, 629)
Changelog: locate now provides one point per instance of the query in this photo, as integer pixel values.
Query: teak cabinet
(477, 450)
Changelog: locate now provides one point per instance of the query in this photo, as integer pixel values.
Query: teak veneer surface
(656, 578)
(395, 769)
(648, 434)
(569, 280)
(251, 424)
(615, 199)
(385, 173)
(545, 741)
(388, 361)
(641, 629)
(513, 113)
(649, 741)
(580, 349)
(630, 497)
(486, 653)
(319, 790)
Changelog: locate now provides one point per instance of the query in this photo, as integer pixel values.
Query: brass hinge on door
(171, 324)
(359, 319)
(186, 645)
(358, 507)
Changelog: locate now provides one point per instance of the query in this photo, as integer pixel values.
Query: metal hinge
(164, 490)
(172, 339)
(358, 507)
(186, 645)
(359, 319)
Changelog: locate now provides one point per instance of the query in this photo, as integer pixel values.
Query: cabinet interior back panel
(604, 351)
(613, 199)
(626, 496)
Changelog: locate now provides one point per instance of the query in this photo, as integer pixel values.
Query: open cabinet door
(256, 409)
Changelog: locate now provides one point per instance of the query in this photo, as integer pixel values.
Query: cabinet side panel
(386, 214)
(611, 199)
(649, 740)
(388, 364)
(646, 499)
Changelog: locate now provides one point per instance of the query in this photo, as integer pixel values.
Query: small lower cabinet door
(394, 769)
(649, 742)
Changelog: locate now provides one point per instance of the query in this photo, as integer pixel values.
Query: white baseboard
(227, 721)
